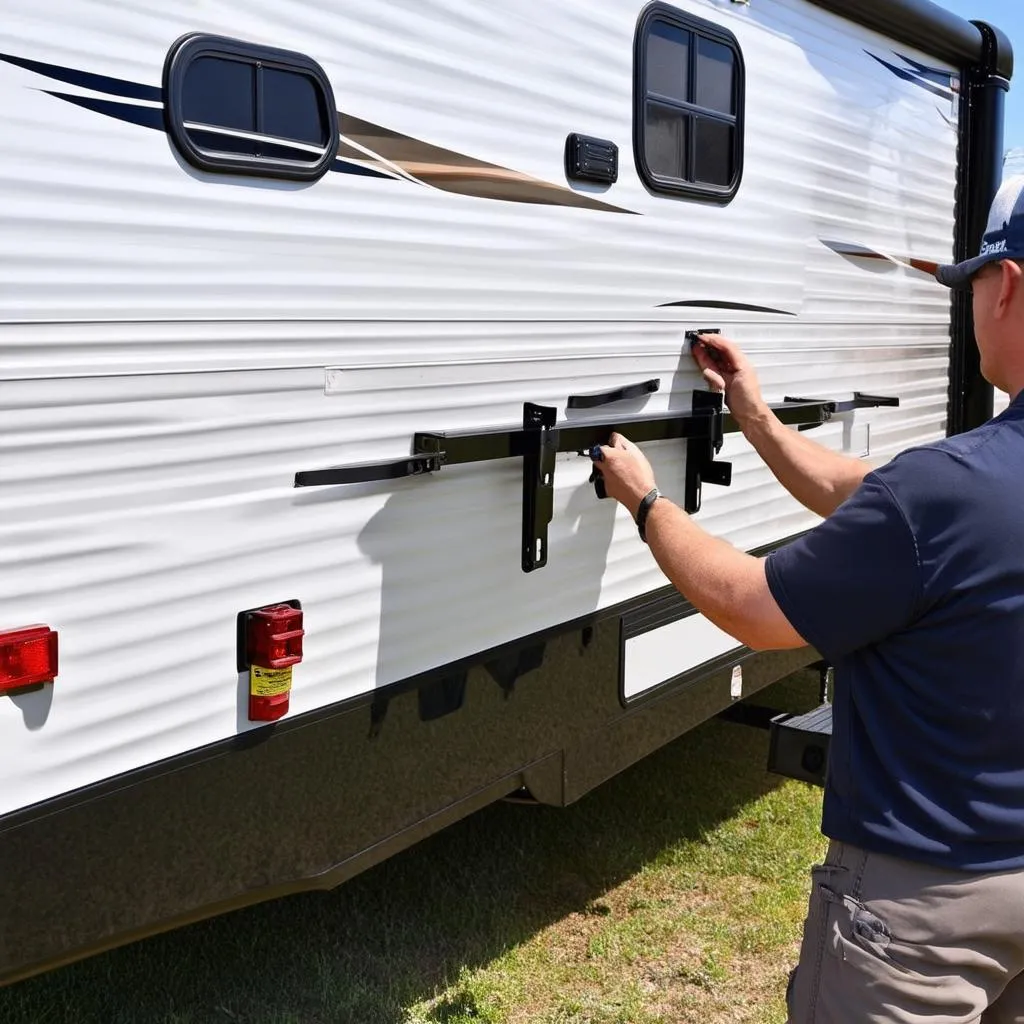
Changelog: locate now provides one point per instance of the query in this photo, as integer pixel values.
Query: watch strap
(644, 511)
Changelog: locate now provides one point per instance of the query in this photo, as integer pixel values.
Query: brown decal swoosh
(852, 250)
(455, 172)
(743, 307)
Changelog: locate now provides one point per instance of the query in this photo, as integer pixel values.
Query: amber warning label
(269, 682)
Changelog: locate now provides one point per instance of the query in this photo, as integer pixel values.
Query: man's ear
(1011, 283)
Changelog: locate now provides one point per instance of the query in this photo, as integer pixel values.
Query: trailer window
(688, 122)
(242, 109)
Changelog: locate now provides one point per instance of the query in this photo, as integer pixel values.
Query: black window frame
(697, 27)
(195, 45)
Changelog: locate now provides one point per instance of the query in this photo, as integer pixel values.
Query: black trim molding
(979, 172)
(924, 26)
(194, 46)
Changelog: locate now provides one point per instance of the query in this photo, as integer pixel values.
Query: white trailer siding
(167, 338)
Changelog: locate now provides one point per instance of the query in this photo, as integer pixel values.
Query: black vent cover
(589, 159)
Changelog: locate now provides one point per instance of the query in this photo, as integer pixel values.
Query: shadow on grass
(397, 934)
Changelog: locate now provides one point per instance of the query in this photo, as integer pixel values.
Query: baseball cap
(1003, 239)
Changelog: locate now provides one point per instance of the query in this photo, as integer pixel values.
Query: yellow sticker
(269, 682)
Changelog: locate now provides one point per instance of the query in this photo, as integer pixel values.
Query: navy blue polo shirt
(914, 591)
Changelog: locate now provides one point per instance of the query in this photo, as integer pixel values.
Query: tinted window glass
(668, 61)
(293, 107)
(282, 151)
(688, 105)
(221, 92)
(714, 88)
(665, 138)
(220, 143)
(713, 152)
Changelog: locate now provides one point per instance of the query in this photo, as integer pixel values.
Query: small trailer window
(236, 108)
(688, 121)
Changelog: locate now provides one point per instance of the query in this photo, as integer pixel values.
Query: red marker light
(274, 636)
(28, 657)
(273, 644)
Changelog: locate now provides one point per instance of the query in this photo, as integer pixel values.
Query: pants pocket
(853, 932)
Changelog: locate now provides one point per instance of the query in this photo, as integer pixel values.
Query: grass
(674, 893)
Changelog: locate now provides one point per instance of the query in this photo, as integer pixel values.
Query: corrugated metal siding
(165, 341)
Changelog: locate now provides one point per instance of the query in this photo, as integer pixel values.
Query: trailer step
(798, 745)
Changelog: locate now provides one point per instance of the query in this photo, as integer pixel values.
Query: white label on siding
(736, 686)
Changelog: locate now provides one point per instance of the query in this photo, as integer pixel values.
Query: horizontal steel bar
(431, 451)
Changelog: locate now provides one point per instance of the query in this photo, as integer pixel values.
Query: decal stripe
(936, 75)
(854, 251)
(455, 172)
(347, 167)
(372, 150)
(98, 83)
(916, 79)
(353, 153)
(153, 117)
(743, 307)
(147, 117)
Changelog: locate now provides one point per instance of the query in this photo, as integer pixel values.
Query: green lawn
(674, 893)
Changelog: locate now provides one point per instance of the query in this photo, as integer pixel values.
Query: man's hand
(727, 369)
(817, 477)
(628, 476)
(726, 585)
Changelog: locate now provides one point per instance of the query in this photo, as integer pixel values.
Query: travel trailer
(309, 316)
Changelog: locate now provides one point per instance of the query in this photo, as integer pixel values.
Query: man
(913, 588)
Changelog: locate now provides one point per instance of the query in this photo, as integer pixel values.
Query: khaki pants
(887, 940)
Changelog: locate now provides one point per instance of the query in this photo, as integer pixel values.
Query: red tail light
(272, 643)
(274, 636)
(28, 657)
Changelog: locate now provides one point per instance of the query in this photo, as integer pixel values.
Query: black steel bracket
(540, 448)
(540, 438)
(701, 466)
(860, 400)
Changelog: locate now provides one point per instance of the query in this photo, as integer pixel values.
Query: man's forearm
(726, 585)
(818, 478)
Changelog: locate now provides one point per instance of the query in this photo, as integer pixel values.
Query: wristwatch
(644, 511)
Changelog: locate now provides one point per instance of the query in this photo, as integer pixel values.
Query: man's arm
(817, 477)
(728, 586)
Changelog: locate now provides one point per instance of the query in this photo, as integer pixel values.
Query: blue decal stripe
(344, 167)
(913, 77)
(98, 83)
(936, 75)
(148, 117)
(151, 117)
